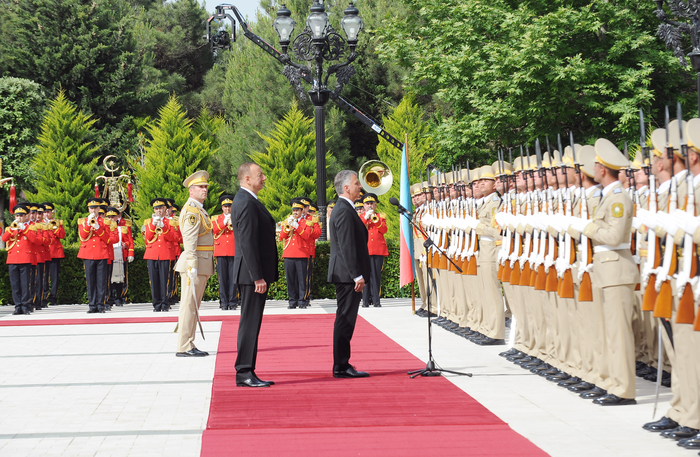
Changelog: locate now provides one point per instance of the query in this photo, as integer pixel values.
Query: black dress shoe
(350, 373)
(541, 367)
(690, 443)
(516, 357)
(92, 311)
(548, 372)
(511, 351)
(660, 425)
(645, 371)
(679, 433)
(19, 311)
(290, 306)
(569, 382)
(486, 341)
(581, 387)
(561, 376)
(250, 380)
(524, 360)
(377, 305)
(595, 392)
(194, 352)
(614, 400)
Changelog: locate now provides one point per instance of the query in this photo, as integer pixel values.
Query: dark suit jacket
(349, 254)
(254, 233)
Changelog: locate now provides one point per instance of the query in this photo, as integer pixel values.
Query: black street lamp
(671, 31)
(319, 43)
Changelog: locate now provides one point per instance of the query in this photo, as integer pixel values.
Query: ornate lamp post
(687, 14)
(317, 44)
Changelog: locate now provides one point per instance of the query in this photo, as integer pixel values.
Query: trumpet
(374, 218)
(375, 177)
(53, 224)
(285, 226)
(14, 225)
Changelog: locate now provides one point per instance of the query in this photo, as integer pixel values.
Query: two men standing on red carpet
(255, 267)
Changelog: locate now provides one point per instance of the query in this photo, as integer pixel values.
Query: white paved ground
(118, 389)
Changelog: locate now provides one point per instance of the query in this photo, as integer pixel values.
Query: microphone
(396, 203)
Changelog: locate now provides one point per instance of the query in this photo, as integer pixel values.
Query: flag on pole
(406, 272)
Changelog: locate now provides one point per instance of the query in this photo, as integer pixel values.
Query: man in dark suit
(254, 267)
(348, 268)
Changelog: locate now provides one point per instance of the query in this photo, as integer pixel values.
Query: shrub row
(72, 287)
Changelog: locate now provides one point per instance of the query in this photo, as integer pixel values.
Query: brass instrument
(14, 225)
(375, 177)
(374, 219)
(53, 224)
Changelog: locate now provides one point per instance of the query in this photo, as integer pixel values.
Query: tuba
(375, 177)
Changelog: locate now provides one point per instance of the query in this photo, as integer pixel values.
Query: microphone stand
(431, 369)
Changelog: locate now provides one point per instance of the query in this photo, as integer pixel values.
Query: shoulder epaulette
(496, 198)
(128, 224)
(147, 221)
(124, 229)
(112, 225)
(191, 208)
(175, 223)
(617, 191)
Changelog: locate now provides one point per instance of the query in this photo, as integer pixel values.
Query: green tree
(21, 109)
(406, 122)
(173, 152)
(289, 163)
(508, 71)
(65, 163)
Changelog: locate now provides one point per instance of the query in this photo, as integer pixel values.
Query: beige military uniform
(615, 275)
(492, 323)
(198, 253)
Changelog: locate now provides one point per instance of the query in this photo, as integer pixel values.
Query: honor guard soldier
(296, 235)
(56, 232)
(376, 245)
(123, 256)
(20, 239)
(94, 250)
(43, 255)
(159, 236)
(225, 252)
(196, 263)
(615, 274)
(311, 217)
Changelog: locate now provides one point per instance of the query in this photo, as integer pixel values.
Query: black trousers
(96, 276)
(51, 270)
(172, 284)
(228, 291)
(159, 276)
(20, 275)
(296, 270)
(373, 284)
(117, 290)
(309, 280)
(252, 307)
(345, 318)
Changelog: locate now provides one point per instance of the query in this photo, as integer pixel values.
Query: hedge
(73, 289)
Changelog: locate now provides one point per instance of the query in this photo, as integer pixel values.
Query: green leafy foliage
(173, 152)
(508, 72)
(65, 162)
(289, 163)
(406, 122)
(21, 110)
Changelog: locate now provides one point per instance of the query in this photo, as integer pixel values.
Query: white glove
(295, 224)
(160, 223)
(94, 224)
(636, 223)
(667, 223)
(192, 273)
(21, 226)
(130, 259)
(227, 219)
(685, 221)
(579, 224)
(647, 218)
(368, 214)
(290, 220)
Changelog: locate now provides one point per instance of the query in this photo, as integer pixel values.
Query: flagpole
(413, 283)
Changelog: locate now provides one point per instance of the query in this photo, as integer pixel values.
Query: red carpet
(310, 413)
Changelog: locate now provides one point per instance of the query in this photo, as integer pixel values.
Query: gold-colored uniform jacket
(611, 226)
(198, 240)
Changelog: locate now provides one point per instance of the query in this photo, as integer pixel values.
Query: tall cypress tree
(65, 163)
(407, 118)
(173, 153)
(289, 163)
